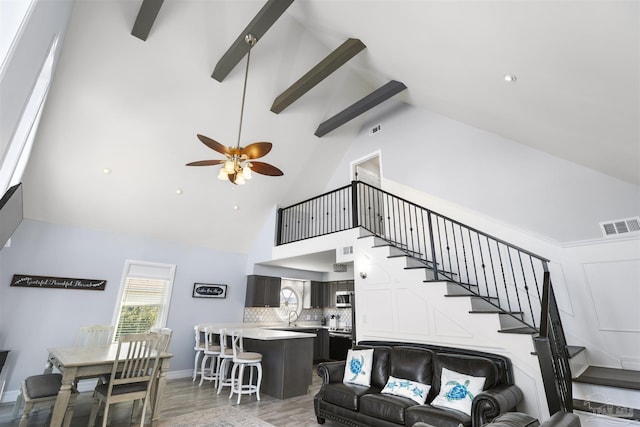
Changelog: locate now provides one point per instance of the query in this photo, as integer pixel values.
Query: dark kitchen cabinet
(321, 345)
(262, 291)
(319, 295)
(345, 286)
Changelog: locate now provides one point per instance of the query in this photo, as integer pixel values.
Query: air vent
(339, 268)
(620, 226)
(375, 129)
(347, 250)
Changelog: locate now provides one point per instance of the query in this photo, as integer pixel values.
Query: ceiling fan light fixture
(237, 168)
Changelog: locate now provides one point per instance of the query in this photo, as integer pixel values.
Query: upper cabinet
(262, 291)
(319, 292)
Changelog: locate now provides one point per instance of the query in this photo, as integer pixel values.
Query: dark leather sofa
(357, 405)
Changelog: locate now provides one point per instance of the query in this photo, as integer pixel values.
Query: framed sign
(205, 290)
(27, 281)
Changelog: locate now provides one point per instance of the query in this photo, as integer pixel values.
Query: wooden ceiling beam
(368, 102)
(146, 17)
(258, 26)
(328, 65)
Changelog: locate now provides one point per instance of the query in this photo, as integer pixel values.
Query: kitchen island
(287, 359)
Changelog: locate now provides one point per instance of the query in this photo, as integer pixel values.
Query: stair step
(526, 330)
(612, 377)
(573, 350)
(608, 409)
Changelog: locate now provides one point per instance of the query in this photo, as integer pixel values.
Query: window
(145, 294)
(290, 299)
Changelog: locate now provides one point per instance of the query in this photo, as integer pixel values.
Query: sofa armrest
(490, 403)
(562, 419)
(331, 372)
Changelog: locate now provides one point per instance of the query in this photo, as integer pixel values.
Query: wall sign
(57, 282)
(204, 290)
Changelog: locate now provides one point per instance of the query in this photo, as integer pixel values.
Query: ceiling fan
(239, 162)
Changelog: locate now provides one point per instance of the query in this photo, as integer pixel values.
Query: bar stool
(224, 359)
(211, 352)
(241, 360)
(199, 348)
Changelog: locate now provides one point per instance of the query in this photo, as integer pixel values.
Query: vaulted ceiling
(134, 107)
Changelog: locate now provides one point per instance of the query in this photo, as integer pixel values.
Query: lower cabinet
(321, 345)
(338, 347)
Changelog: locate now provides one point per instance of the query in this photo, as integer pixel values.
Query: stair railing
(506, 277)
(551, 348)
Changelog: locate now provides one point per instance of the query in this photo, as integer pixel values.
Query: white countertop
(253, 331)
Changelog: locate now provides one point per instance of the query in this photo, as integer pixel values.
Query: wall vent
(375, 129)
(347, 250)
(620, 226)
(339, 268)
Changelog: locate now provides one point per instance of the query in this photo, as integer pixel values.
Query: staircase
(498, 278)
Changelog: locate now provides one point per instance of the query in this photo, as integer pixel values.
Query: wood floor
(183, 396)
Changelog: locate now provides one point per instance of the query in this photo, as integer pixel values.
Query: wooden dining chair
(88, 336)
(134, 371)
(41, 391)
(164, 337)
(95, 336)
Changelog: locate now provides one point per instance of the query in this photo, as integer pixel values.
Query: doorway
(371, 202)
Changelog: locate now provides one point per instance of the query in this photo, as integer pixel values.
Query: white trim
(356, 162)
(17, 36)
(126, 273)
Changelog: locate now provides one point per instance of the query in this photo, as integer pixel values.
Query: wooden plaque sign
(57, 282)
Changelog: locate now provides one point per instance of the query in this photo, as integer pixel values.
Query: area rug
(225, 416)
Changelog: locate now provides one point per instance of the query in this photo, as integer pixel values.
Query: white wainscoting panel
(615, 293)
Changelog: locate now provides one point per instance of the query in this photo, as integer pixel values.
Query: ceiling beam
(368, 102)
(328, 65)
(258, 26)
(146, 17)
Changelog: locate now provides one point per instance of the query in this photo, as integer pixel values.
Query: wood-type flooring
(183, 396)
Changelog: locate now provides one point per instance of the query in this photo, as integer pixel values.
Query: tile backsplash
(269, 315)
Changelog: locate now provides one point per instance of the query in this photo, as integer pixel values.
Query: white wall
(32, 320)
(492, 175)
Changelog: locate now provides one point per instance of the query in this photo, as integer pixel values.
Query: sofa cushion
(457, 390)
(437, 417)
(345, 395)
(385, 407)
(411, 363)
(358, 366)
(476, 366)
(406, 388)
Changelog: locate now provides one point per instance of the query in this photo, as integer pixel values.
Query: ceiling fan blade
(257, 149)
(265, 169)
(214, 145)
(206, 163)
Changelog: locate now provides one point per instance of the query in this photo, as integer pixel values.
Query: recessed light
(106, 171)
(510, 78)
(179, 191)
(236, 207)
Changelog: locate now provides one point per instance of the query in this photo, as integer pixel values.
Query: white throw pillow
(357, 369)
(458, 390)
(407, 388)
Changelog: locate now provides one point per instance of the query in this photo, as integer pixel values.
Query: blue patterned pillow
(458, 390)
(407, 388)
(357, 369)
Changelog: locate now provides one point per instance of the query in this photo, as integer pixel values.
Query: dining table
(94, 362)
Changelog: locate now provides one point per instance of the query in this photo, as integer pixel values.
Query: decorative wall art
(26, 281)
(204, 290)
